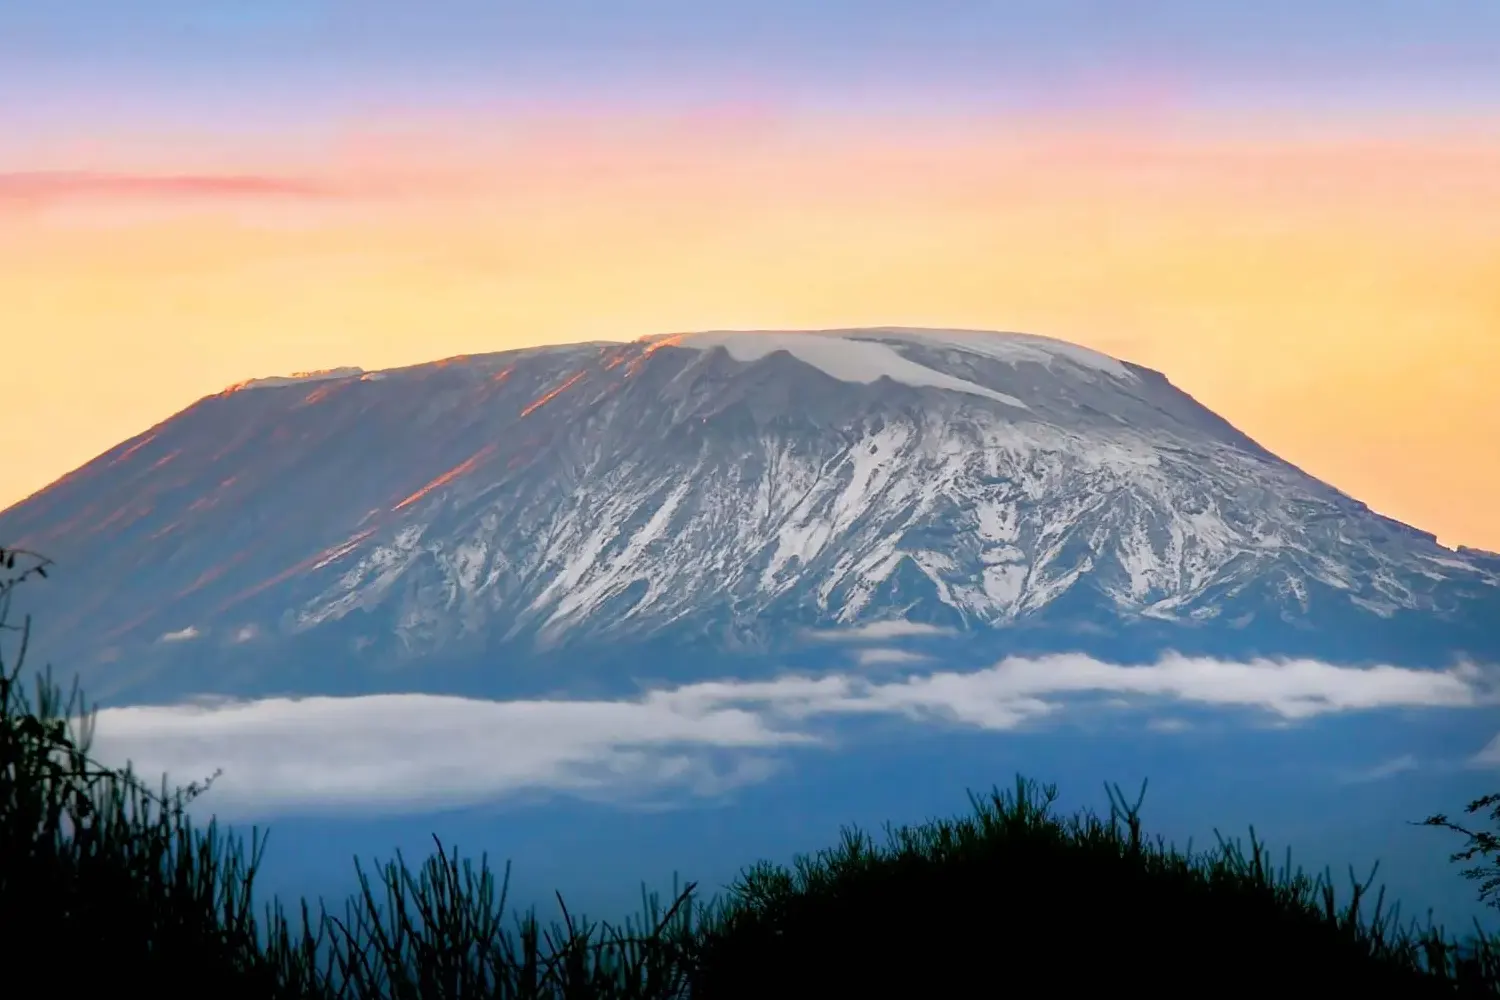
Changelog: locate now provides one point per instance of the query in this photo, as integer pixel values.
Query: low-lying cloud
(878, 631)
(884, 656)
(391, 752)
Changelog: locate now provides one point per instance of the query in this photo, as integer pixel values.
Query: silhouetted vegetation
(1482, 843)
(1014, 893)
(107, 886)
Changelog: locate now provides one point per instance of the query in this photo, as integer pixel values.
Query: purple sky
(284, 58)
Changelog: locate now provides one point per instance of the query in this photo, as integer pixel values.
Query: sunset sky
(1290, 208)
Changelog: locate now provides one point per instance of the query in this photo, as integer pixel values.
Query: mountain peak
(864, 354)
(719, 491)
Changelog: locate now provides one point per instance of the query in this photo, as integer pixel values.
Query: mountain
(593, 514)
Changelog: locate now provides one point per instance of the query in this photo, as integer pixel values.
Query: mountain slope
(714, 493)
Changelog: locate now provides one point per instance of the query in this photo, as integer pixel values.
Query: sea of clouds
(400, 752)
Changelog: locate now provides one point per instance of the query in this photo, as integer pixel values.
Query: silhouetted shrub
(106, 886)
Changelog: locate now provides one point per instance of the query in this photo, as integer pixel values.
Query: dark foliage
(107, 886)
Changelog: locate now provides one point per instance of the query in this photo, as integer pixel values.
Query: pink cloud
(68, 185)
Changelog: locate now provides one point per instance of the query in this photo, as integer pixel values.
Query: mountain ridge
(717, 492)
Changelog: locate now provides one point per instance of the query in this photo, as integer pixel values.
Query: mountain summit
(498, 520)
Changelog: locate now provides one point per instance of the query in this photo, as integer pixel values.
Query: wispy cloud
(181, 635)
(877, 631)
(881, 656)
(411, 751)
(393, 752)
(69, 185)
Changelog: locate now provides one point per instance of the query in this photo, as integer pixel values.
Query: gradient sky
(1291, 208)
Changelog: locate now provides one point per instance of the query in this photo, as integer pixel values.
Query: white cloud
(877, 631)
(880, 656)
(1293, 689)
(417, 750)
(411, 751)
(182, 635)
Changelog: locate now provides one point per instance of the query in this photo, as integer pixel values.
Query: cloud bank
(414, 751)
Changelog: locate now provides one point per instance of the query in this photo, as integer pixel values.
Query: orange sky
(1335, 296)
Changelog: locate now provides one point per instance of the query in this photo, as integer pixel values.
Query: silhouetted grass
(105, 886)
(1012, 900)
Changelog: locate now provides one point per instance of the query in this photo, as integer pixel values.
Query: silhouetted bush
(106, 886)
(1012, 901)
(103, 883)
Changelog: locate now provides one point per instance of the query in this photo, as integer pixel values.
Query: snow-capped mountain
(727, 494)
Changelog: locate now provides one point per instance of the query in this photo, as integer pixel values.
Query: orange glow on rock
(338, 552)
(134, 448)
(318, 561)
(466, 466)
(116, 517)
(548, 397)
(211, 574)
(166, 458)
(657, 345)
(621, 356)
(320, 393)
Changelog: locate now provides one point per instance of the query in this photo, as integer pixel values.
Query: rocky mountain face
(560, 517)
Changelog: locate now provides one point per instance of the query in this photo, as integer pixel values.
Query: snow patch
(843, 357)
(1012, 348)
(298, 378)
(864, 354)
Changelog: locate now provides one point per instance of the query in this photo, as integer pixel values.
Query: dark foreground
(106, 886)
